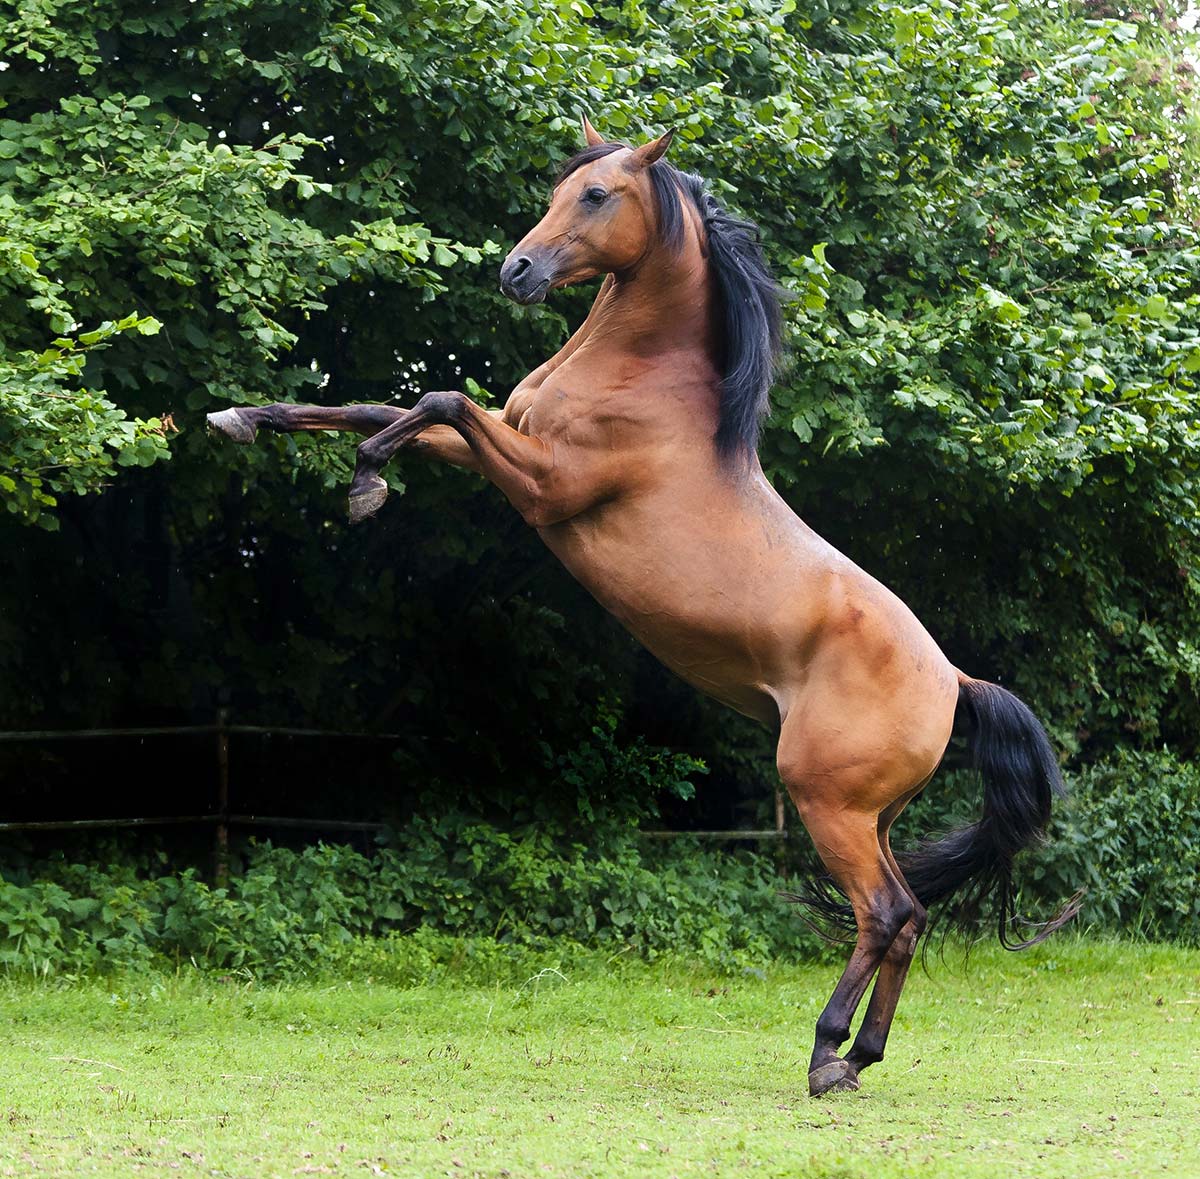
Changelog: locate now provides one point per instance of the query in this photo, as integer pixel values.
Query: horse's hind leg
(848, 843)
(242, 422)
(872, 1035)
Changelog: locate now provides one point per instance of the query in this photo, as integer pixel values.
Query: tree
(986, 213)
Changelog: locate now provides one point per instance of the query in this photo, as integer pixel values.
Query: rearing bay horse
(633, 452)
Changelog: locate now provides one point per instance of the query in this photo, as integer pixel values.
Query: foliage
(1130, 837)
(1130, 834)
(207, 231)
(987, 213)
(573, 867)
(1000, 319)
(55, 439)
(289, 913)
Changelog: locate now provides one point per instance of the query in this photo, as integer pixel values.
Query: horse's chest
(566, 413)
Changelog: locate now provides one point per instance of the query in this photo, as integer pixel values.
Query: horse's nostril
(522, 279)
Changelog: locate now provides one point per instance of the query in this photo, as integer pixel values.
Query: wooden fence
(223, 817)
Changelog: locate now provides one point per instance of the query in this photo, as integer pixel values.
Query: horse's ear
(648, 153)
(590, 133)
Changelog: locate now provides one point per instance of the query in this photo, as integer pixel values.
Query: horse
(633, 453)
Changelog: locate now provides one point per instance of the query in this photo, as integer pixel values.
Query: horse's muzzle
(525, 278)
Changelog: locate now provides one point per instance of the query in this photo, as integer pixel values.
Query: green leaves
(986, 214)
(57, 438)
(109, 199)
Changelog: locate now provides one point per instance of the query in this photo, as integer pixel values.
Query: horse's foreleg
(848, 844)
(475, 438)
(242, 422)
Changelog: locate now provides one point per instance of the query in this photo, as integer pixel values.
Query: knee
(443, 408)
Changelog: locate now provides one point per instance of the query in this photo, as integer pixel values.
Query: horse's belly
(753, 612)
(716, 665)
(702, 623)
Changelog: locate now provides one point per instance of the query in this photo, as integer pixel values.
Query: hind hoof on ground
(233, 424)
(835, 1077)
(364, 504)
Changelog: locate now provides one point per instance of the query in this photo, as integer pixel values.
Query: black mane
(750, 297)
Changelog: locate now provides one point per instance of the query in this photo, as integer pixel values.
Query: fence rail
(184, 820)
(34, 735)
(81, 824)
(223, 817)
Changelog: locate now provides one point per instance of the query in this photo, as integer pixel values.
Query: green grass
(1074, 1059)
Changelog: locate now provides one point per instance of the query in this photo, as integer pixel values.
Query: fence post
(780, 826)
(221, 849)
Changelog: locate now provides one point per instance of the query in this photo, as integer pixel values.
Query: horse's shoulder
(517, 405)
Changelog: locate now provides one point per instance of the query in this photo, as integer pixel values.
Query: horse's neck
(665, 304)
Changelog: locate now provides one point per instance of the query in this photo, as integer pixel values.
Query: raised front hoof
(835, 1077)
(364, 504)
(233, 424)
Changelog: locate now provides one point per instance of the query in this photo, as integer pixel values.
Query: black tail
(973, 866)
(1020, 775)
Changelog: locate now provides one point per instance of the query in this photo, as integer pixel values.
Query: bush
(569, 866)
(289, 913)
(988, 214)
(455, 892)
(1128, 832)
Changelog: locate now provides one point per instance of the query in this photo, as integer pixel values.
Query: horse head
(602, 219)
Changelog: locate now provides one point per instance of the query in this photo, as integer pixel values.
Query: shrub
(1130, 834)
(288, 913)
(453, 892)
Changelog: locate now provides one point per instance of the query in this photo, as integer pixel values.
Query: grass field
(1074, 1059)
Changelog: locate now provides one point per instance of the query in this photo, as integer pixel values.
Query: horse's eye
(595, 196)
